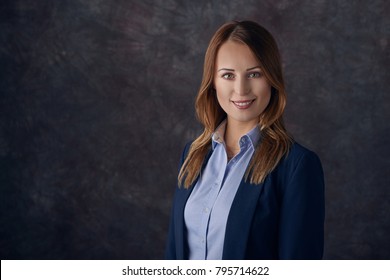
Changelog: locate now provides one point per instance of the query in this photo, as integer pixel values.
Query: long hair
(275, 141)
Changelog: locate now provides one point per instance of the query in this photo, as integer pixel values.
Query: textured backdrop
(97, 104)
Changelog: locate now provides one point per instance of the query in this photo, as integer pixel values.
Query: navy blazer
(282, 218)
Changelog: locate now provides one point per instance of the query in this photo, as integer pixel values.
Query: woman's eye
(254, 75)
(228, 76)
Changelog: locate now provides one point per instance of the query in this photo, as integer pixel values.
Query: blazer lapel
(180, 232)
(180, 229)
(239, 220)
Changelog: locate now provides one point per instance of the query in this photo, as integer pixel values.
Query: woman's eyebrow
(232, 70)
(249, 69)
(226, 69)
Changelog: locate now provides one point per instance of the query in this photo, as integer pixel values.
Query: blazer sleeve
(170, 249)
(301, 232)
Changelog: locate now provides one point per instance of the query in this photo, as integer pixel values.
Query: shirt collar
(218, 137)
(253, 135)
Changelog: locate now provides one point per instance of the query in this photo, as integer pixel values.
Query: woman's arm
(301, 233)
(170, 250)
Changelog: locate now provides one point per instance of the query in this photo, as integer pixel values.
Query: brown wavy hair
(275, 141)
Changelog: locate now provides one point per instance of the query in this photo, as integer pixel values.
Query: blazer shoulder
(300, 157)
(297, 152)
(185, 152)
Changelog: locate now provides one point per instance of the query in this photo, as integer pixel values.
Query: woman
(245, 190)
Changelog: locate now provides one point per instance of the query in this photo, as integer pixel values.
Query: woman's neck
(234, 131)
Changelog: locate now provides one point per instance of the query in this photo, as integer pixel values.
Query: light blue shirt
(208, 206)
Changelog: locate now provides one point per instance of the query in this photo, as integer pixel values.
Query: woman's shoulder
(186, 149)
(297, 150)
(300, 155)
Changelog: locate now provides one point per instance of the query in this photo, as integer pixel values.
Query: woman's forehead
(232, 55)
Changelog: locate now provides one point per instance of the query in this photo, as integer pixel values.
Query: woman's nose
(241, 86)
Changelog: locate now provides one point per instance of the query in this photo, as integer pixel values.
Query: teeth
(243, 103)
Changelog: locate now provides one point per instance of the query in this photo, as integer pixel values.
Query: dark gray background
(97, 104)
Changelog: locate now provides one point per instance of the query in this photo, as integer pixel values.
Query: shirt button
(206, 210)
(202, 241)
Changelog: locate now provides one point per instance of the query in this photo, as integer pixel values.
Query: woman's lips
(243, 104)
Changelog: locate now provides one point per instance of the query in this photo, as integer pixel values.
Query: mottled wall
(96, 104)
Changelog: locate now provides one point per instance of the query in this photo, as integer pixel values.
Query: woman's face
(243, 92)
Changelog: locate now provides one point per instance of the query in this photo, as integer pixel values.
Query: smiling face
(243, 92)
